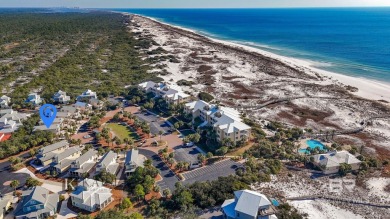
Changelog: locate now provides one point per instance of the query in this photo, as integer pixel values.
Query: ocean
(351, 41)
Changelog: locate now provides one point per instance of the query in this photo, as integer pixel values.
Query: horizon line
(297, 7)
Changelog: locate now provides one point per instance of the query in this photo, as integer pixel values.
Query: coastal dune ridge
(247, 78)
(368, 88)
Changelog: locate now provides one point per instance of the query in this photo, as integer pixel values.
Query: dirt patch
(204, 68)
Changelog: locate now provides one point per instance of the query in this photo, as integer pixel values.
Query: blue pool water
(352, 41)
(275, 202)
(313, 144)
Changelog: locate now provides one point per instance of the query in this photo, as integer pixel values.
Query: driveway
(211, 172)
(6, 177)
(156, 124)
(169, 179)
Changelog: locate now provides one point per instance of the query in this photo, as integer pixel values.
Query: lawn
(122, 131)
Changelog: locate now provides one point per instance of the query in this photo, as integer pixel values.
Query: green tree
(31, 182)
(344, 169)
(14, 184)
(136, 215)
(126, 204)
(139, 192)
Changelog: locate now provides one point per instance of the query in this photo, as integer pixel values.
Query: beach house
(86, 96)
(172, 94)
(91, 195)
(132, 161)
(330, 162)
(62, 162)
(37, 202)
(11, 120)
(61, 97)
(34, 99)
(54, 128)
(46, 154)
(5, 101)
(83, 164)
(248, 204)
(226, 121)
(108, 163)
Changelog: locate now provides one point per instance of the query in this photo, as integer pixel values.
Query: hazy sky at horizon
(192, 3)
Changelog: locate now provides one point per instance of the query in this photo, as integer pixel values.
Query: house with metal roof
(38, 203)
(47, 153)
(11, 120)
(61, 97)
(108, 163)
(34, 98)
(5, 101)
(248, 204)
(91, 195)
(62, 162)
(132, 161)
(330, 162)
(172, 94)
(83, 164)
(87, 95)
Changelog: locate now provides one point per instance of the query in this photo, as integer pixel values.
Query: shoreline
(368, 88)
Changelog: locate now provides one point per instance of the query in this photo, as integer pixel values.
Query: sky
(193, 3)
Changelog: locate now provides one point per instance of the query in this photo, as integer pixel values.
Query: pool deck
(303, 145)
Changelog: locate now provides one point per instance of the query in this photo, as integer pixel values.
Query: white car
(86, 136)
(189, 144)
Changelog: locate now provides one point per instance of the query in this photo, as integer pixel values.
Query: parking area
(211, 172)
(6, 178)
(186, 154)
(156, 124)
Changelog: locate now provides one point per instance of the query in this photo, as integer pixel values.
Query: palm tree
(160, 133)
(14, 184)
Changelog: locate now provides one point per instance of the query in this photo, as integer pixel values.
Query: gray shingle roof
(86, 156)
(53, 147)
(248, 202)
(107, 158)
(67, 153)
(41, 195)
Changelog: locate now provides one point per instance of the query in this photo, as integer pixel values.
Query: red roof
(5, 136)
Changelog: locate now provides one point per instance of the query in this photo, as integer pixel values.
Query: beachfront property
(62, 162)
(132, 161)
(172, 94)
(83, 164)
(10, 120)
(225, 121)
(46, 154)
(86, 96)
(5, 101)
(37, 202)
(108, 163)
(248, 204)
(91, 195)
(61, 97)
(5, 204)
(34, 98)
(330, 162)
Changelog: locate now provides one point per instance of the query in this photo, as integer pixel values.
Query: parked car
(86, 136)
(194, 165)
(189, 144)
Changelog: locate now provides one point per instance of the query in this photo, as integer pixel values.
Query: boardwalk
(336, 198)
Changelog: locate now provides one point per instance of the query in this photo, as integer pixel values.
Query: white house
(54, 128)
(225, 121)
(248, 204)
(330, 162)
(132, 161)
(34, 98)
(86, 96)
(61, 97)
(173, 94)
(10, 120)
(91, 195)
(108, 163)
(5, 101)
(83, 164)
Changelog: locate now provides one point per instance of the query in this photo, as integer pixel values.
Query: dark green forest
(46, 52)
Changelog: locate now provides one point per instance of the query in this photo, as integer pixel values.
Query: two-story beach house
(34, 98)
(91, 195)
(225, 121)
(172, 94)
(61, 97)
(62, 162)
(46, 154)
(330, 162)
(248, 204)
(37, 203)
(86, 96)
(108, 163)
(10, 120)
(132, 161)
(5, 101)
(83, 164)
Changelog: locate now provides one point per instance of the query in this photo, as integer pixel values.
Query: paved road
(6, 177)
(156, 124)
(211, 172)
(169, 179)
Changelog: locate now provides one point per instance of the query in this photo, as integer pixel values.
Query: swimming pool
(275, 202)
(312, 144)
